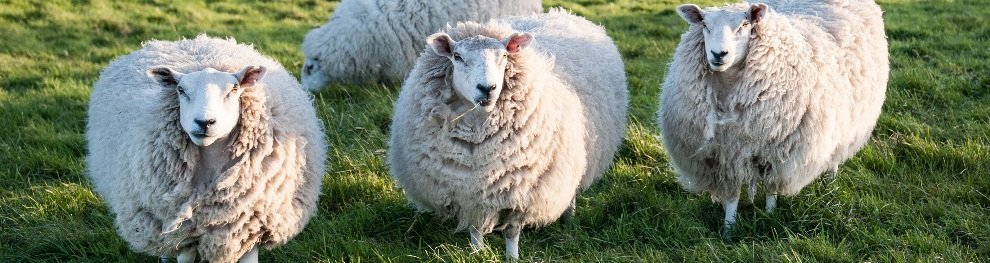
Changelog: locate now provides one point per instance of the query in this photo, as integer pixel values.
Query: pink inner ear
(517, 42)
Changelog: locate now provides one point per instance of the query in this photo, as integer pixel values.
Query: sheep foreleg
(250, 256)
(730, 205)
(187, 256)
(771, 202)
(511, 234)
(477, 239)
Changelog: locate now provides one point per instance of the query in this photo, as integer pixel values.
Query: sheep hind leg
(730, 205)
(187, 256)
(511, 234)
(250, 256)
(477, 239)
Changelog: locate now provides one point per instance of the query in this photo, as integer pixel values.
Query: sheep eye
(457, 57)
(181, 90)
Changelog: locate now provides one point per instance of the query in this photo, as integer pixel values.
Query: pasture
(919, 191)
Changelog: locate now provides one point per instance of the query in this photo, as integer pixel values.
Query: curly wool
(144, 166)
(810, 92)
(556, 126)
(379, 40)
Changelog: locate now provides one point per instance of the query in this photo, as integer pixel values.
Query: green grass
(918, 192)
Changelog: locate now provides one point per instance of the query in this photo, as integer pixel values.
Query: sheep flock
(205, 149)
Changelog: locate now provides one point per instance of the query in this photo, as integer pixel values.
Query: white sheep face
(209, 100)
(479, 64)
(727, 31)
(313, 75)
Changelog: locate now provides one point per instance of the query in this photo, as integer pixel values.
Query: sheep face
(479, 64)
(313, 76)
(209, 100)
(727, 31)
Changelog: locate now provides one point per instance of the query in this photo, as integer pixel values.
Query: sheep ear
(517, 42)
(757, 11)
(441, 43)
(250, 75)
(165, 76)
(691, 13)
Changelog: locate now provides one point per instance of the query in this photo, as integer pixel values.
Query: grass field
(918, 192)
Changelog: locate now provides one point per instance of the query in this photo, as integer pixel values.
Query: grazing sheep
(378, 40)
(205, 147)
(502, 124)
(772, 94)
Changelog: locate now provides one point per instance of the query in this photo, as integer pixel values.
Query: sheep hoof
(163, 259)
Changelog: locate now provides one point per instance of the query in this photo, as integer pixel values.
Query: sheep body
(807, 98)
(259, 188)
(553, 131)
(378, 40)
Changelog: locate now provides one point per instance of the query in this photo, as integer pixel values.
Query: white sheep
(204, 146)
(378, 40)
(772, 94)
(502, 124)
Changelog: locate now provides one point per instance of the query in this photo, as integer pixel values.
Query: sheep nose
(485, 89)
(719, 55)
(204, 124)
(308, 69)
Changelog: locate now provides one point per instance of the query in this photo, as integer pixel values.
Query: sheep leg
(187, 256)
(163, 259)
(511, 234)
(250, 256)
(730, 205)
(771, 202)
(832, 174)
(751, 191)
(569, 212)
(477, 239)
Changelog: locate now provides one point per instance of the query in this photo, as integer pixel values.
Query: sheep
(772, 93)
(503, 123)
(370, 41)
(204, 147)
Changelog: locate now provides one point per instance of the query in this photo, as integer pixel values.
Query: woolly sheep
(502, 124)
(772, 94)
(194, 159)
(378, 40)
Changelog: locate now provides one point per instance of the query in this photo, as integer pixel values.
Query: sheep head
(479, 63)
(209, 100)
(727, 30)
(313, 75)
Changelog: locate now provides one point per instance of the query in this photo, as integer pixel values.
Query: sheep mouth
(198, 135)
(485, 103)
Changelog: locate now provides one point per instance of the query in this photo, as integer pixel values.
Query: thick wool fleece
(379, 40)
(553, 131)
(147, 169)
(810, 92)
